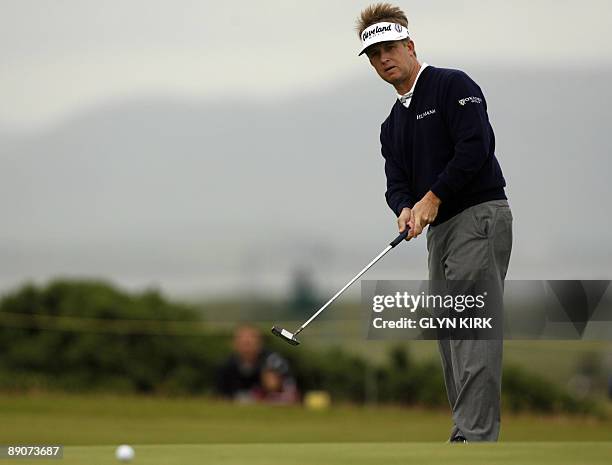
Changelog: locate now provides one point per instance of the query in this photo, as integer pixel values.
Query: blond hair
(380, 12)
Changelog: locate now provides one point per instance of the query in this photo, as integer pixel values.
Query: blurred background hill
(230, 196)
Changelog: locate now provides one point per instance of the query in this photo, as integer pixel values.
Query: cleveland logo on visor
(369, 32)
(382, 32)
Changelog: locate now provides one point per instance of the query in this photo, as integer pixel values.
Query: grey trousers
(473, 245)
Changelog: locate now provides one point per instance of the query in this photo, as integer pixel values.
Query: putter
(290, 337)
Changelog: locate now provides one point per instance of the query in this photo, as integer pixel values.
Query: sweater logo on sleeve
(426, 113)
(463, 101)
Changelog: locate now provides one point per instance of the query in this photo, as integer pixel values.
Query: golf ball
(124, 453)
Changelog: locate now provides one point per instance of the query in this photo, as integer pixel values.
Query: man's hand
(423, 213)
(403, 220)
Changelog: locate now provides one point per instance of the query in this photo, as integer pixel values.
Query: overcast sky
(132, 133)
(57, 57)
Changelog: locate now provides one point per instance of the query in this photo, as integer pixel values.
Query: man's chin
(394, 81)
(393, 78)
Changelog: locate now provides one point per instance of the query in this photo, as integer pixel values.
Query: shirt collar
(407, 97)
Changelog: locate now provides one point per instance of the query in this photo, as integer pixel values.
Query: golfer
(441, 170)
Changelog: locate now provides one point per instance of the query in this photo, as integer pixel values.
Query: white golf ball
(124, 453)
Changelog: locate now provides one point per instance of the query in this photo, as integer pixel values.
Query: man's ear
(409, 44)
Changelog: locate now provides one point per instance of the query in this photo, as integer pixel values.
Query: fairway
(554, 453)
(185, 431)
(88, 420)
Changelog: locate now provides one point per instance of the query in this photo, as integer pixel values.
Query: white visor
(382, 32)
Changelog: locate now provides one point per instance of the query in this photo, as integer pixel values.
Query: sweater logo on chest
(426, 113)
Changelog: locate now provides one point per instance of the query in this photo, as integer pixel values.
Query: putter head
(285, 335)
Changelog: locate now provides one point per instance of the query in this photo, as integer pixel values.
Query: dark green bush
(522, 391)
(89, 336)
(76, 354)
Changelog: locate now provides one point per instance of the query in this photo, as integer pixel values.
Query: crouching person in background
(240, 374)
(277, 386)
(253, 374)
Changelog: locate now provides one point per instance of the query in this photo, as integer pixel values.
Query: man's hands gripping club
(423, 213)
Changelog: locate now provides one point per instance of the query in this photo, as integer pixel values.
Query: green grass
(100, 420)
(200, 431)
(349, 454)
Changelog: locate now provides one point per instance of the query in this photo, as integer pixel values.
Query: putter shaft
(391, 245)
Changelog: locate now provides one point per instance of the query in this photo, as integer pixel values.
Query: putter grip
(400, 238)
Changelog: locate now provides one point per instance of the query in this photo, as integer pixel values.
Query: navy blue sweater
(444, 143)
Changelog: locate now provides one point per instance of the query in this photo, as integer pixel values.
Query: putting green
(200, 431)
(100, 420)
(103, 420)
(554, 453)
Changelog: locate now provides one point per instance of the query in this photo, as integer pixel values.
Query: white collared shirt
(407, 97)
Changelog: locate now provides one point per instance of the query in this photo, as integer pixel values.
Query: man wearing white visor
(442, 173)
